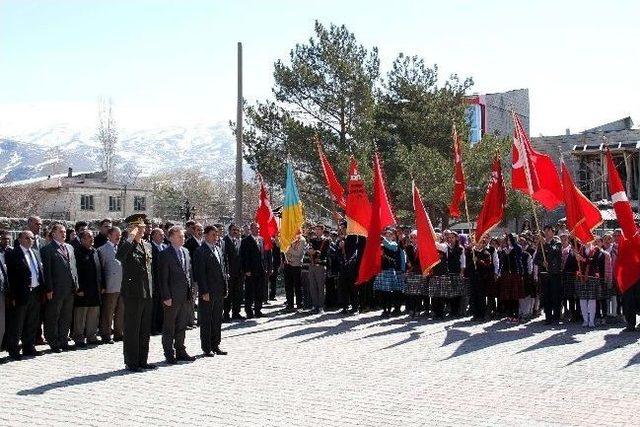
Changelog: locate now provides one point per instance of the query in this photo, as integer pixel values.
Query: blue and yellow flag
(292, 218)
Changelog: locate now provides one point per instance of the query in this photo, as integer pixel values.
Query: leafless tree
(107, 135)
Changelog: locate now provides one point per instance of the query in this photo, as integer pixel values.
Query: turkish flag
(582, 215)
(627, 268)
(458, 178)
(493, 206)
(381, 217)
(534, 173)
(265, 218)
(426, 239)
(358, 209)
(335, 188)
(619, 199)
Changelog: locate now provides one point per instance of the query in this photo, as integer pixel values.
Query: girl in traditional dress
(511, 287)
(456, 263)
(525, 303)
(589, 286)
(569, 272)
(388, 282)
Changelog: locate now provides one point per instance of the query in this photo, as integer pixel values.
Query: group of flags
(533, 173)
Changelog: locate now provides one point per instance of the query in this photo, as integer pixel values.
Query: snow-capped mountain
(50, 151)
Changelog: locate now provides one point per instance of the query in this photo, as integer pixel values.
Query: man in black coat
(25, 292)
(233, 266)
(61, 284)
(210, 273)
(137, 291)
(157, 245)
(86, 313)
(193, 240)
(102, 236)
(175, 288)
(251, 254)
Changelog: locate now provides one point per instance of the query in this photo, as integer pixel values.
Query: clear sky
(173, 62)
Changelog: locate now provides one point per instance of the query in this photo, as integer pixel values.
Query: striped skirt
(590, 288)
(511, 287)
(416, 284)
(447, 286)
(389, 281)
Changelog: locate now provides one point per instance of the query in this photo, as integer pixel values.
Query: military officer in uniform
(137, 292)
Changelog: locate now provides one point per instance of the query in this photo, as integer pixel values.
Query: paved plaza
(328, 369)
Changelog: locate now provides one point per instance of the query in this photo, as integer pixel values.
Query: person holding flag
(582, 218)
(627, 265)
(381, 218)
(358, 215)
(482, 261)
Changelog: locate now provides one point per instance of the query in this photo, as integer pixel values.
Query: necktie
(33, 264)
(181, 258)
(3, 277)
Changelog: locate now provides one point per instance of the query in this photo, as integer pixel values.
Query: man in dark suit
(251, 254)
(209, 271)
(137, 291)
(79, 227)
(157, 245)
(34, 224)
(193, 240)
(102, 236)
(175, 288)
(26, 284)
(232, 263)
(60, 284)
(5, 239)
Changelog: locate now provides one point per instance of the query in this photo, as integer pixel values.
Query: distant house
(584, 154)
(88, 196)
(490, 114)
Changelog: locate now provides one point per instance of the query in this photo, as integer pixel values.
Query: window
(86, 202)
(139, 203)
(115, 203)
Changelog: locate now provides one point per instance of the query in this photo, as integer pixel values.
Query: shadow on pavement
(83, 379)
(612, 342)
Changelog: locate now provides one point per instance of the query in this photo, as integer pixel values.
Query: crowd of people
(78, 287)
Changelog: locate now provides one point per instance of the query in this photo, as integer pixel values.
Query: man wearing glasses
(26, 284)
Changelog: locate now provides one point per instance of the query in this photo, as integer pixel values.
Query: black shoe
(133, 369)
(31, 352)
(259, 314)
(68, 347)
(237, 317)
(15, 356)
(226, 318)
(149, 366)
(208, 354)
(107, 341)
(171, 360)
(117, 339)
(249, 314)
(81, 344)
(272, 299)
(220, 352)
(185, 358)
(56, 350)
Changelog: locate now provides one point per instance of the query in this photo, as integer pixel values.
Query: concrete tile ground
(332, 370)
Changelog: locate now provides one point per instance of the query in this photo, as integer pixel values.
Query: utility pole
(238, 213)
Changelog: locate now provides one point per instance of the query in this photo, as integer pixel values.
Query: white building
(88, 196)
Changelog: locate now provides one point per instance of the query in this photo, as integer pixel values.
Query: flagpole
(466, 205)
(530, 187)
